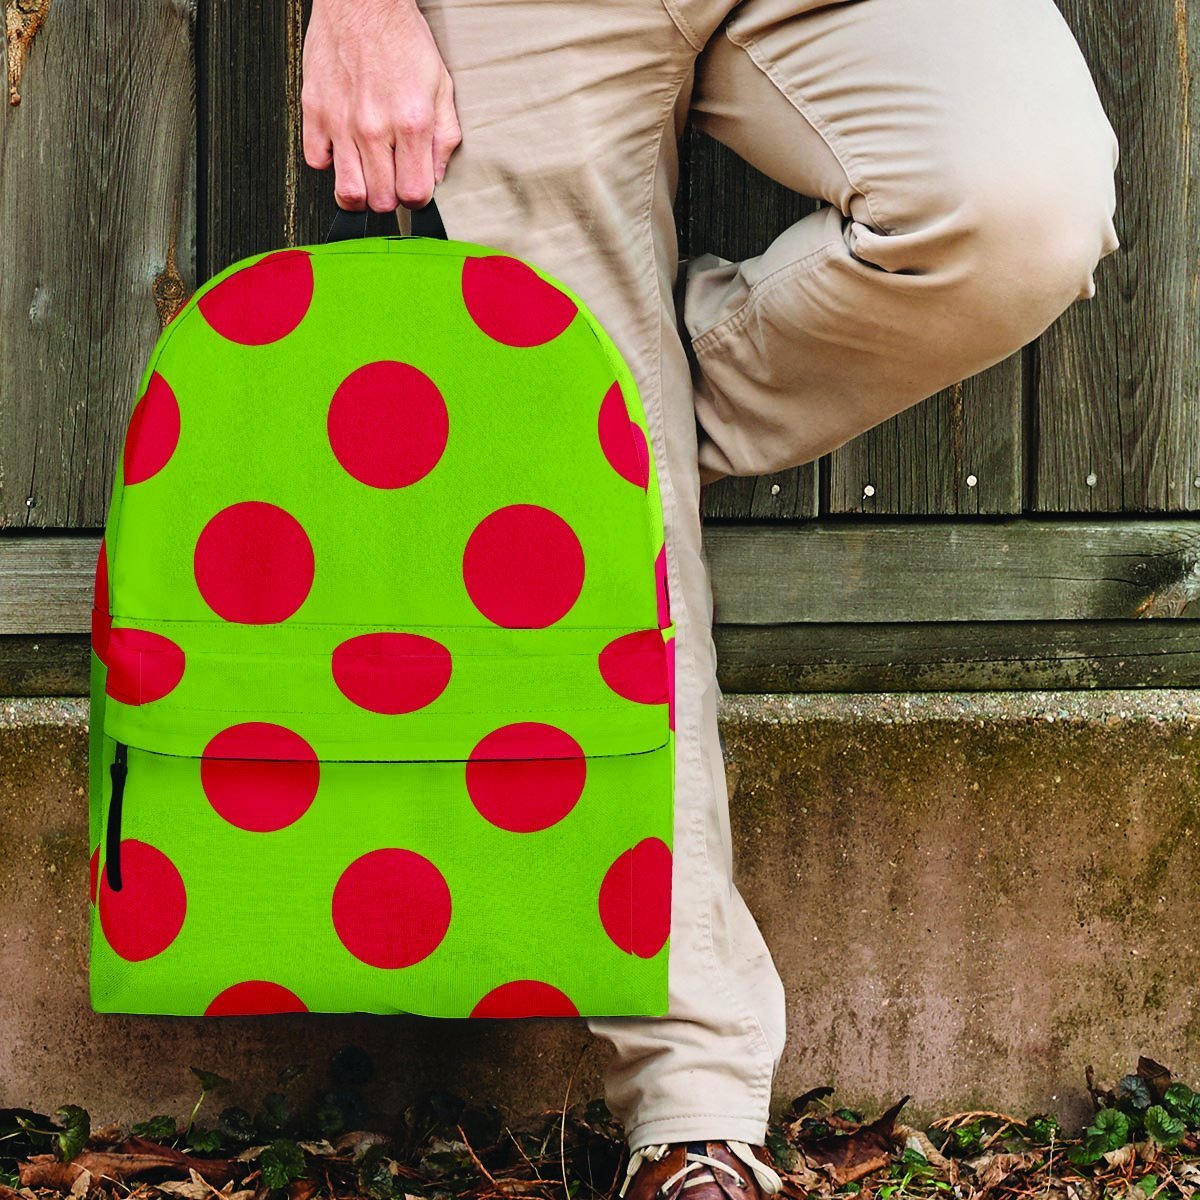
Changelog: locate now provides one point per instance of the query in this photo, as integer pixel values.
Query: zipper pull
(112, 847)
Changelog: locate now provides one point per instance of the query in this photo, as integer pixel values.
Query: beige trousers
(968, 169)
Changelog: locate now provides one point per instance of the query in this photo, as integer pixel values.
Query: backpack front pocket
(505, 861)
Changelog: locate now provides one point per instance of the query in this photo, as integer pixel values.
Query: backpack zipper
(112, 848)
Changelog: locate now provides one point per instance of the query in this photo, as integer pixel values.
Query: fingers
(414, 158)
(379, 170)
(350, 186)
(318, 149)
(447, 135)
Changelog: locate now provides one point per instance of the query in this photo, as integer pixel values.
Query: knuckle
(415, 120)
(350, 195)
(412, 196)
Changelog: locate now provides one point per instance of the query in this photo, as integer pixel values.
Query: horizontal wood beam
(821, 571)
(1012, 570)
(929, 656)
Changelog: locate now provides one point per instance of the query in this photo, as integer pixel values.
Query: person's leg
(968, 166)
(569, 113)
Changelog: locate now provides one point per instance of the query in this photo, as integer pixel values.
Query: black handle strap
(426, 222)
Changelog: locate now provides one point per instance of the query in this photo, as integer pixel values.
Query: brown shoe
(701, 1171)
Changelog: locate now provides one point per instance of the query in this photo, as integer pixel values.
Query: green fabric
(564, 913)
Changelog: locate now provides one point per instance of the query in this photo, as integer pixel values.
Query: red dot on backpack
(260, 777)
(391, 673)
(512, 303)
(153, 432)
(391, 908)
(623, 442)
(142, 666)
(261, 303)
(526, 777)
(634, 665)
(523, 567)
(635, 898)
(525, 998)
(388, 424)
(255, 997)
(254, 564)
(145, 916)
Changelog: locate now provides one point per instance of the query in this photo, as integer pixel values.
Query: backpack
(382, 687)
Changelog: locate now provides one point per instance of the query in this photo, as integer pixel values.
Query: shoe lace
(768, 1179)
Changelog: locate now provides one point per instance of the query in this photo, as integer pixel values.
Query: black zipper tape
(112, 851)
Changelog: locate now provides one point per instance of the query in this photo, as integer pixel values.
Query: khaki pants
(968, 169)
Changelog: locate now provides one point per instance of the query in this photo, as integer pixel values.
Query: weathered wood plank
(53, 665)
(957, 656)
(257, 193)
(46, 584)
(838, 572)
(917, 657)
(1119, 388)
(955, 454)
(97, 220)
(733, 210)
(960, 571)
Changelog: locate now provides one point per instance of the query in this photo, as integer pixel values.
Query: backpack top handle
(426, 222)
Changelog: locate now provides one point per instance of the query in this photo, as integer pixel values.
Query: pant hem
(698, 1127)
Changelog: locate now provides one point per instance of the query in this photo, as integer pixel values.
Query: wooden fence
(1017, 530)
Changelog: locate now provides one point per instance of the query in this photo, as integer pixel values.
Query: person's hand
(378, 103)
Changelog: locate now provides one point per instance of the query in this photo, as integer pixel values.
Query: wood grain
(1118, 397)
(96, 198)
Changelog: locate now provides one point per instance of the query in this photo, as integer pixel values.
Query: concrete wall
(970, 897)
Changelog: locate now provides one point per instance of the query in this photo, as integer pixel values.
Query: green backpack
(383, 662)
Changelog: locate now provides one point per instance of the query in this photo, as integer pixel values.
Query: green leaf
(157, 1129)
(1108, 1131)
(1134, 1093)
(76, 1129)
(1180, 1101)
(1043, 1128)
(281, 1162)
(967, 1137)
(1166, 1130)
(237, 1125)
(210, 1081)
(204, 1141)
(1147, 1184)
(275, 1113)
(375, 1176)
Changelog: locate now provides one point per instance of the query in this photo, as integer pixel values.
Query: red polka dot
(391, 908)
(254, 563)
(253, 998)
(261, 303)
(391, 673)
(153, 432)
(671, 683)
(260, 777)
(146, 915)
(93, 874)
(635, 666)
(512, 303)
(663, 588)
(523, 567)
(527, 776)
(388, 424)
(525, 998)
(623, 442)
(142, 666)
(101, 609)
(635, 899)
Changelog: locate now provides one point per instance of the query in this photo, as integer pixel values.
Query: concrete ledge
(969, 895)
